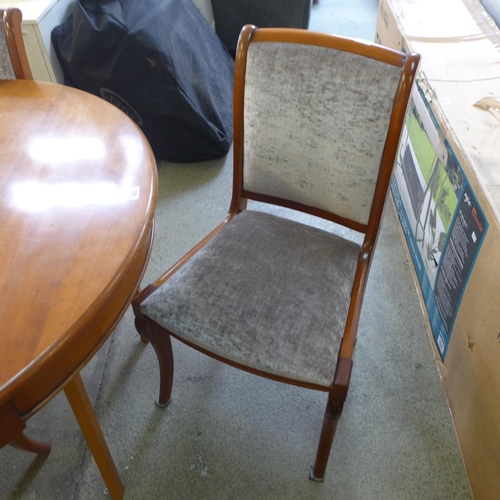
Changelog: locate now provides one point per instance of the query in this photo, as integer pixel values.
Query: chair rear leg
(333, 412)
(160, 340)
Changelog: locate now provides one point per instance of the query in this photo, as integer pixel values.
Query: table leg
(86, 417)
(23, 442)
(11, 431)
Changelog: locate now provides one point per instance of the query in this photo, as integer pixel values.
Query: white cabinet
(39, 19)
(205, 7)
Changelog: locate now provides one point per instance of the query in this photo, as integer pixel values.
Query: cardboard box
(446, 187)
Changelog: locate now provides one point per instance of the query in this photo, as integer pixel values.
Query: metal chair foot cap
(312, 477)
(164, 405)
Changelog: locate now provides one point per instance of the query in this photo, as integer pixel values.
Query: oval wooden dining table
(78, 185)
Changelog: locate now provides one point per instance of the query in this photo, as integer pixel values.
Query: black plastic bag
(160, 62)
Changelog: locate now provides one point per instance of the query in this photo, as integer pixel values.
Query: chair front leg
(162, 345)
(160, 340)
(142, 324)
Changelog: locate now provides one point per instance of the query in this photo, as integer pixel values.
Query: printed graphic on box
(442, 221)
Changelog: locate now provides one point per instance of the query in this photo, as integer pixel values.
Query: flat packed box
(446, 189)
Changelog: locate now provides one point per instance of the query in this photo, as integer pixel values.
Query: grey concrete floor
(231, 435)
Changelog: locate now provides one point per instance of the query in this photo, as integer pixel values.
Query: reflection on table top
(77, 195)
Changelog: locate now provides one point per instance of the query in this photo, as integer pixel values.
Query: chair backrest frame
(408, 63)
(250, 34)
(12, 18)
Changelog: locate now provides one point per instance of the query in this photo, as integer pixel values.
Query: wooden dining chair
(13, 59)
(317, 121)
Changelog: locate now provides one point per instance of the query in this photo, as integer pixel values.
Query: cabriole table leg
(23, 442)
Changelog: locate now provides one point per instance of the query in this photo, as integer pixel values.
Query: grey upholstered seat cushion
(266, 292)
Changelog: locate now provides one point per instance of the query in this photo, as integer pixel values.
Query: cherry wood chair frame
(160, 337)
(12, 18)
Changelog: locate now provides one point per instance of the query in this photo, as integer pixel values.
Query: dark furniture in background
(231, 15)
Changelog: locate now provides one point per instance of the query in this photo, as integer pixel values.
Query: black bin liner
(161, 63)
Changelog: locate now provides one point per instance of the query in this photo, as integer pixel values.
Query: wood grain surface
(77, 195)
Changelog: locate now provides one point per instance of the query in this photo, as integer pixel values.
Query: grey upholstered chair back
(315, 122)
(6, 69)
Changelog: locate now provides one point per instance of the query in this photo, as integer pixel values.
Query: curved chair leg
(142, 325)
(23, 442)
(160, 340)
(139, 325)
(163, 347)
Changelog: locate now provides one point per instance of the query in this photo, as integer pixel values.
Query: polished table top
(77, 195)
